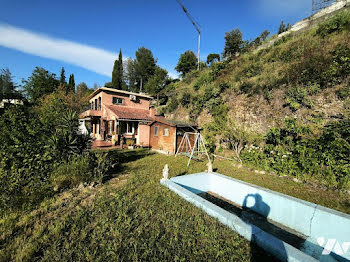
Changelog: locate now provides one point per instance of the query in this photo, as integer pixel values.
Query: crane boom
(194, 23)
(197, 26)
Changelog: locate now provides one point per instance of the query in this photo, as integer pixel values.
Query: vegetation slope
(133, 217)
(278, 107)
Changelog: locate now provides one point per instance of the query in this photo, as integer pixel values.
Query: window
(92, 105)
(166, 132)
(130, 127)
(99, 103)
(95, 104)
(118, 100)
(155, 131)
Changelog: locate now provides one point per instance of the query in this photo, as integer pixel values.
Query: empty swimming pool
(287, 227)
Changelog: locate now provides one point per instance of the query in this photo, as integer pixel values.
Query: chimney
(152, 112)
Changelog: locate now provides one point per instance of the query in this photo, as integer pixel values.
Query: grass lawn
(132, 218)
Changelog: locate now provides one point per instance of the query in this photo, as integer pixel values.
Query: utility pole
(197, 26)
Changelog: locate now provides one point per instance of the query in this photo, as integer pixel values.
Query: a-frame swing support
(198, 147)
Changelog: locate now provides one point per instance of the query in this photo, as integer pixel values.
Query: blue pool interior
(295, 225)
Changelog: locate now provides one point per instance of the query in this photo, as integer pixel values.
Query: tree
(260, 39)
(157, 82)
(264, 35)
(131, 74)
(212, 57)
(40, 83)
(145, 66)
(233, 43)
(282, 28)
(117, 74)
(83, 89)
(7, 86)
(237, 137)
(187, 62)
(62, 77)
(71, 84)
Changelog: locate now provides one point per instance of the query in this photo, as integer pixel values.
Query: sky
(84, 37)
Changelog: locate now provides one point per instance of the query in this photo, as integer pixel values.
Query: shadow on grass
(119, 157)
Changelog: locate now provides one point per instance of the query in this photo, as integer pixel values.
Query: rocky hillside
(304, 76)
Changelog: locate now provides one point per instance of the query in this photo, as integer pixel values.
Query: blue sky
(85, 36)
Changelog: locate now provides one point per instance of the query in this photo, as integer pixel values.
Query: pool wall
(307, 218)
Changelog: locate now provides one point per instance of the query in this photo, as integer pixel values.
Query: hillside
(301, 75)
(133, 217)
(279, 99)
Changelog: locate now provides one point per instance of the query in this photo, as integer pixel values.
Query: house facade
(116, 117)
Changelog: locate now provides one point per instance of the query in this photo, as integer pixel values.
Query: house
(166, 135)
(4, 102)
(117, 116)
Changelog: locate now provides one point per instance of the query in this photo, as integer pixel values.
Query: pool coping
(268, 242)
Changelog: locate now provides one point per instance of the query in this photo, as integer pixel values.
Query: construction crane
(197, 26)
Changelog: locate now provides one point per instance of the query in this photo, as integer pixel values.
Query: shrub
(340, 66)
(186, 99)
(130, 142)
(173, 104)
(72, 172)
(337, 23)
(25, 163)
(204, 78)
(297, 96)
(344, 92)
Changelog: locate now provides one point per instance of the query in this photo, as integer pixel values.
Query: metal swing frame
(198, 147)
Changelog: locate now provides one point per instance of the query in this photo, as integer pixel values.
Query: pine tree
(63, 77)
(282, 28)
(117, 74)
(71, 83)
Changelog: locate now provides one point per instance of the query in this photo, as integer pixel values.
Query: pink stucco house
(117, 115)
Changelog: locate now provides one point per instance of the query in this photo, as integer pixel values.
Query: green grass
(132, 217)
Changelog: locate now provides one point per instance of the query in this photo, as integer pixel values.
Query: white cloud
(88, 57)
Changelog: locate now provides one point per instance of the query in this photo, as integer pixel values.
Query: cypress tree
(71, 83)
(63, 77)
(117, 74)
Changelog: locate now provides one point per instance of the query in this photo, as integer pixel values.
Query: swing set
(195, 150)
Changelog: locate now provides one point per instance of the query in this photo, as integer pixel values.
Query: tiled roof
(173, 122)
(100, 89)
(123, 112)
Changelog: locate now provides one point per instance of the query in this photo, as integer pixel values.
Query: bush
(204, 78)
(25, 163)
(72, 172)
(290, 151)
(337, 23)
(340, 66)
(297, 96)
(186, 99)
(172, 105)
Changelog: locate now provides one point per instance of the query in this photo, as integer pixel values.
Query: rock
(93, 184)
(296, 180)
(55, 188)
(80, 186)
